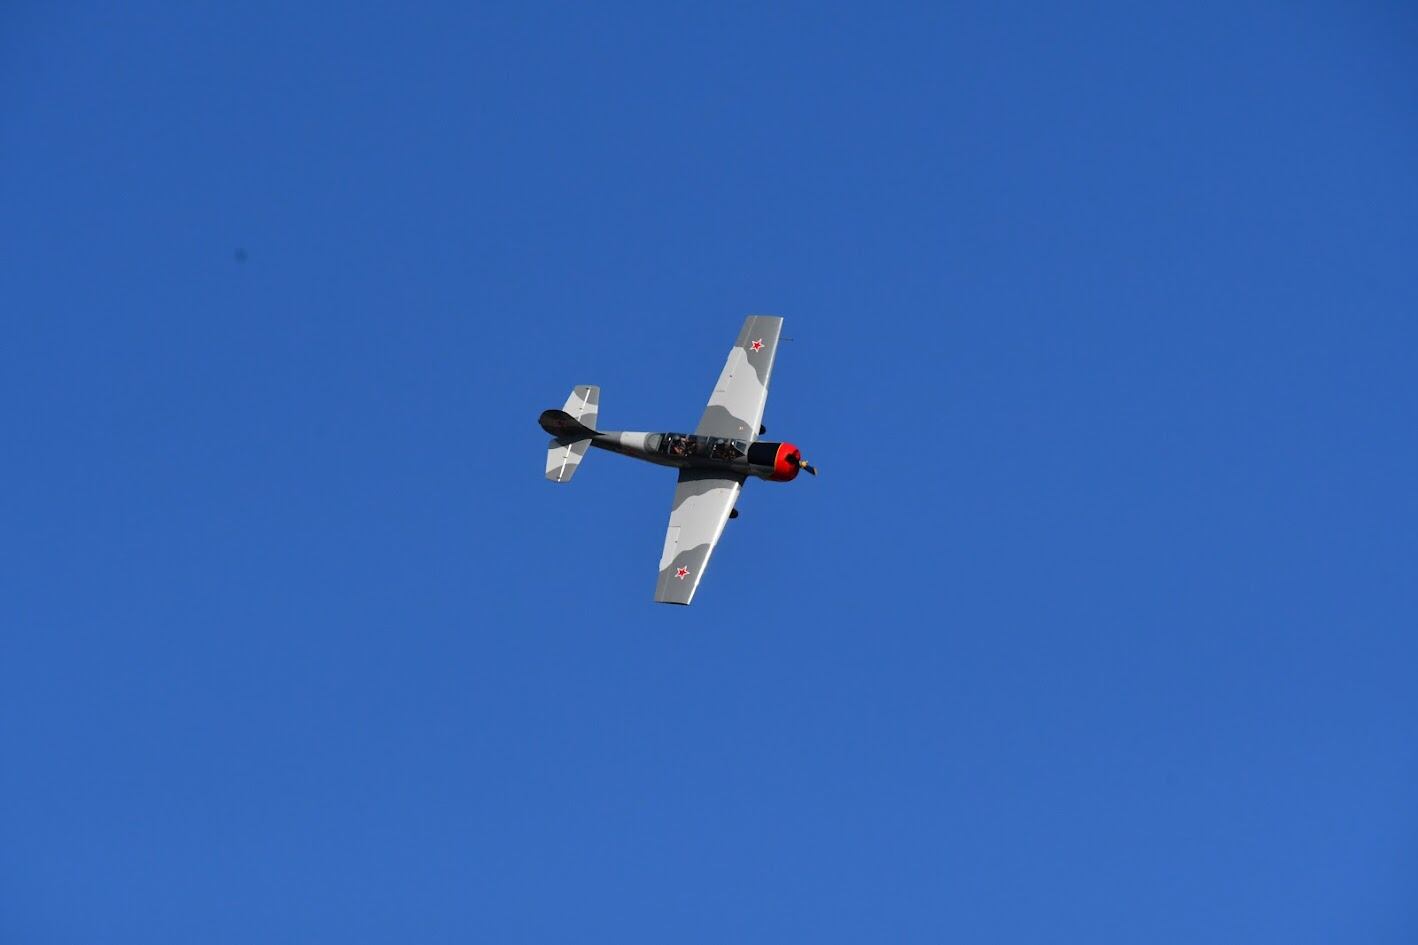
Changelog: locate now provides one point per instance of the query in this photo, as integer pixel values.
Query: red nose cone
(785, 464)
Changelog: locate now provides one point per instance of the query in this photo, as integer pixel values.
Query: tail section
(571, 431)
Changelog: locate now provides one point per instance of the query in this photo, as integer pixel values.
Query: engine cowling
(777, 462)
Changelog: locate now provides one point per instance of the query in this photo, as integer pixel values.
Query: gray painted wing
(736, 406)
(703, 500)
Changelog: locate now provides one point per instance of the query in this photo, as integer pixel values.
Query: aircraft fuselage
(778, 462)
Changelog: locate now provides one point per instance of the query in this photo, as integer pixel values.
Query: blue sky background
(1098, 625)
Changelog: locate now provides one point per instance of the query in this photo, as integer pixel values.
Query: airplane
(713, 461)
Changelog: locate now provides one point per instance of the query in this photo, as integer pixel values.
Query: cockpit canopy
(687, 445)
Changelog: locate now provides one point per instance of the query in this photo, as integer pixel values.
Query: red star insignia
(757, 345)
(682, 573)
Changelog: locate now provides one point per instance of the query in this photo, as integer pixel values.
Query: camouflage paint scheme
(735, 408)
(564, 454)
(708, 485)
(703, 500)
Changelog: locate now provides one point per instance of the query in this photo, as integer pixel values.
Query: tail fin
(571, 431)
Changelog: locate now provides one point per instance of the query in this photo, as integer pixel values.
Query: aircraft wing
(703, 500)
(736, 407)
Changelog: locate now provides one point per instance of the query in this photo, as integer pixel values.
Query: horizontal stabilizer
(563, 458)
(571, 430)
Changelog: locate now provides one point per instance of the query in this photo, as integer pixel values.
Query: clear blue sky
(1099, 625)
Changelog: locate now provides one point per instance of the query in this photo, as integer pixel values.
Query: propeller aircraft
(713, 461)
